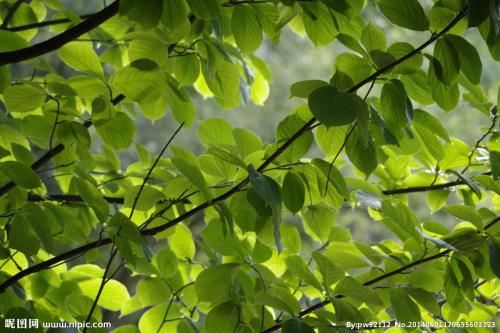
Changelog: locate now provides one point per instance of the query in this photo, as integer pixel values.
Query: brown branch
(148, 232)
(10, 14)
(382, 277)
(60, 40)
(69, 198)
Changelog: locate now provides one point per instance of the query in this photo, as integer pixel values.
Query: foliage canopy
(243, 237)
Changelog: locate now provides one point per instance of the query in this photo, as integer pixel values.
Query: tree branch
(10, 14)
(382, 277)
(149, 232)
(60, 40)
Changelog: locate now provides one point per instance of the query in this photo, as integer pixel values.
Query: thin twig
(10, 14)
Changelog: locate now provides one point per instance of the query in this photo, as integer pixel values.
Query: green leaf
(215, 131)
(246, 141)
(82, 57)
(329, 270)
(113, 296)
(133, 82)
(468, 57)
(406, 309)
(334, 108)
(319, 23)
(393, 105)
(478, 12)
(149, 48)
(303, 89)
(148, 198)
(494, 256)
(191, 170)
(364, 157)
(22, 236)
(92, 197)
(265, 186)
(320, 220)
(495, 164)
(412, 65)
(187, 68)
(336, 177)
(298, 267)
(214, 284)
(446, 96)
(286, 129)
(407, 14)
(373, 38)
(246, 28)
(118, 132)
(152, 291)
(425, 119)
(204, 9)
(400, 219)
(466, 213)
(20, 174)
(295, 325)
(23, 98)
(167, 262)
(222, 319)
(147, 13)
(293, 192)
(182, 243)
(448, 67)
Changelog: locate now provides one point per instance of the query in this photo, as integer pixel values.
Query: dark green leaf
(293, 192)
(334, 108)
(407, 14)
(265, 186)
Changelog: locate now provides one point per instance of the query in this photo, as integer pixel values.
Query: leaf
(92, 197)
(329, 270)
(393, 105)
(23, 98)
(22, 236)
(319, 23)
(133, 82)
(303, 89)
(468, 57)
(152, 291)
(336, 177)
(425, 119)
(214, 284)
(118, 132)
(407, 14)
(401, 49)
(182, 243)
(246, 28)
(373, 38)
(265, 186)
(20, 174)
(466, 213)
(190, 169)
(448, 58)
(494, 256)
(478, 12)
(300, 269)
(148, 198)
(113, 296)
(295, 325)
(405, 308)
(147, 12)
(320, 220)
(187, 68)
(222, 319)
(215, 131)
(364, 157)
(293, 192)
(204, 9)
(334, 108)
(82, 57)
